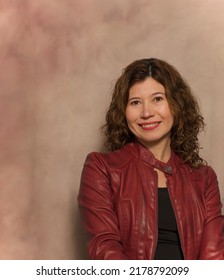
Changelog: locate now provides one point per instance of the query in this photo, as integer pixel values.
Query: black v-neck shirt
(168, 245)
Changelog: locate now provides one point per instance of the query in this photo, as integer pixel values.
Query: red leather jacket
(118, 205)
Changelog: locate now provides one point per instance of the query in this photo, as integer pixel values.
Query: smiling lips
(149, 126)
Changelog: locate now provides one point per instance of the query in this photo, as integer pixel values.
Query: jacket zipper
(177, 220)
(156, 214)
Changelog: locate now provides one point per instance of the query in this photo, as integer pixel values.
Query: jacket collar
(147, 156)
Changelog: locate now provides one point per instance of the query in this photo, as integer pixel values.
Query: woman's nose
(146, 111)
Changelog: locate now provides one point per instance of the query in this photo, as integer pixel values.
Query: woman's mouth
(148, 126)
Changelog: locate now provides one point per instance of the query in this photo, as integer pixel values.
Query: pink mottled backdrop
(58, 60)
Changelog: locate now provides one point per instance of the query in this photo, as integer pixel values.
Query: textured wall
(58, 62)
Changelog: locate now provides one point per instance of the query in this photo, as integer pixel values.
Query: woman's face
(148, 114)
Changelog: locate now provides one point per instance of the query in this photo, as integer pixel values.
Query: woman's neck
(162, 155)
(161, 150)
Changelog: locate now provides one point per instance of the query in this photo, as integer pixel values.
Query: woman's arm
(212, 246)
(97, 212)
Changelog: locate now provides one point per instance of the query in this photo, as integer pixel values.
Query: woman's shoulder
(113, 159)
(203, 172)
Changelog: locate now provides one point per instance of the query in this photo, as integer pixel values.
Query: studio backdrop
(58, 63)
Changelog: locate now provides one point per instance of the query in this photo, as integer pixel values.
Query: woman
(152, 196)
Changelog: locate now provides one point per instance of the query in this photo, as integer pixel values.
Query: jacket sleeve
(212, 246)
(96, 206)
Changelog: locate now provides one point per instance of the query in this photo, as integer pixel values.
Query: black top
(168, 245)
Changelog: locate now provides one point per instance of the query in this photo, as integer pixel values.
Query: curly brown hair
(188, 121)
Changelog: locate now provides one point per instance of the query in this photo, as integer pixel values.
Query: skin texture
(149, 117)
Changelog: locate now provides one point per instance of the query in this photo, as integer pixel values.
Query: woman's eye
(135, 102)
(158, 98)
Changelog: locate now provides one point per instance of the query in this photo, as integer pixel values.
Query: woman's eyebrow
(155, 93)
(159, 93)
(135, 97)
